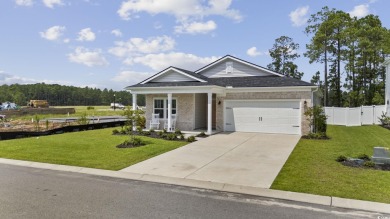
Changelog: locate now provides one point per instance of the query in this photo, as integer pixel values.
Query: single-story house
(229, 94)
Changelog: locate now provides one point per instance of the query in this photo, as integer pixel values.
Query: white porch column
(209, 112)
(134, 108)
(169, 111)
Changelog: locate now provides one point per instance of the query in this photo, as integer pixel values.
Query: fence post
(361, 115)
(373, 115)
(333, 115)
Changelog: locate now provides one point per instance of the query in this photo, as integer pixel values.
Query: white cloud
(253, 52)
(360, 11)
(88, 57)
(142, 46)
(189, 12)
(131, 77)
(182, 60)
(196, 27)
(67, 40)
(117, 33)
(86, 34)
(299, 16)
(52, 3)
(53, 33)
(24, 2)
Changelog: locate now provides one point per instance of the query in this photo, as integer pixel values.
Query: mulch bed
(352, 163)
(129, 146)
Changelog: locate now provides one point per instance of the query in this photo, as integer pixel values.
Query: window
(161, 107)
(229, 67)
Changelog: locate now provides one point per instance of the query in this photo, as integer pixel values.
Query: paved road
(35, 193)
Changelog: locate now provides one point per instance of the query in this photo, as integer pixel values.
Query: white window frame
(165, 107)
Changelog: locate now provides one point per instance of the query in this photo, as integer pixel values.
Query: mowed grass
(95, 149)
(311, 168)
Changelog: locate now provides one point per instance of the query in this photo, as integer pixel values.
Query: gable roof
(237, 60)
(189, 74)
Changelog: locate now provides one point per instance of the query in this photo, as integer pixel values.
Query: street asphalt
(27, 192)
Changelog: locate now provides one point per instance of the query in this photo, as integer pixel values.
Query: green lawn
(95, 149)
(312, 168)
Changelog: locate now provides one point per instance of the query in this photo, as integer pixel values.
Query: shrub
(139, 129)
(115, 132)
(191, 139)
(146, 133)
(151, 130)
(171, 136)
(134, 141)
(202, 134)
(317, 119)
(182, 137)
(165, 131)
(364, 157)
(385, 120)
(177, 132)
(160, 133)
(341, 158)
(123, 131)
(90, 108)
(369, 164)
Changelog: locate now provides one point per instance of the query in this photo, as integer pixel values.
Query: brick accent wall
(302, 95)
(185, 110)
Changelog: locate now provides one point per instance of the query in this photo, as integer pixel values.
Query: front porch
(195, 112)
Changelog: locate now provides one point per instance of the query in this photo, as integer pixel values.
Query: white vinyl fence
(364, 115)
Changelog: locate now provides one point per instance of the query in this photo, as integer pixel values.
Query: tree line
(351, 51)
(61, 95)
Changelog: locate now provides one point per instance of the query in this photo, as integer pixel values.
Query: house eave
(268, 89)
(176, 89)
(168, 69)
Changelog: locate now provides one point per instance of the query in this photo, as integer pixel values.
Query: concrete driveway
(238, 158)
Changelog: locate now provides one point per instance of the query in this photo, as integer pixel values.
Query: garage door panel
(263, 116)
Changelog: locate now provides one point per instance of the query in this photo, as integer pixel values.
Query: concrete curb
(268, 193)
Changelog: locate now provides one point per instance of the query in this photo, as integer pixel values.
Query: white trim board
(169, 69)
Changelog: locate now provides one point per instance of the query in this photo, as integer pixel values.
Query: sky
(113, 44)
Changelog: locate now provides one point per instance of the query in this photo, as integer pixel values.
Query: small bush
(202, 134)
(90, 108)
(135, 141)
(341, 158)
(364, 157)
(369, 164)
(191, 139)
(139, 129)
(182, 137)
(123, 131)
(151, 130)
(165, 131)
(177, 132)
(115, 132)
(160, 133)
(171, 136)
(146, 133)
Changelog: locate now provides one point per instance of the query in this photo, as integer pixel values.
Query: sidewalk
(269, 193)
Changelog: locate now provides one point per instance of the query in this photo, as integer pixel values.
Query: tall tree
(318, 48)
(283, 53)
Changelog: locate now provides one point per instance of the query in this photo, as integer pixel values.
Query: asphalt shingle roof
(252, 81)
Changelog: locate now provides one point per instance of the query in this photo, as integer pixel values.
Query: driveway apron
(238, 158)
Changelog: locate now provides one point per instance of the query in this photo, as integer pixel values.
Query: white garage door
(263, 116)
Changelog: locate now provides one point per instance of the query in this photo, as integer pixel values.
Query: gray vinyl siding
(239, 70)
(200, 111)
(172, 76)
